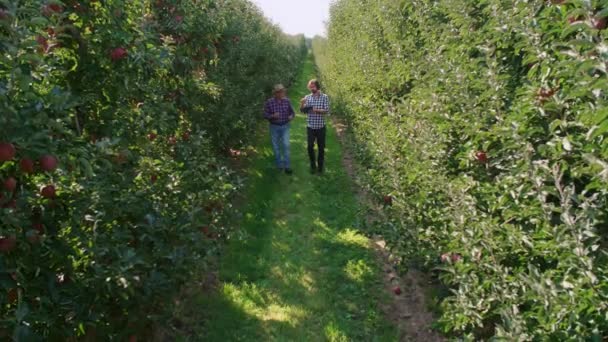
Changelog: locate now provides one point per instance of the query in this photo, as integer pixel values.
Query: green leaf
(573, 28)
(39, 21)
(601, 130)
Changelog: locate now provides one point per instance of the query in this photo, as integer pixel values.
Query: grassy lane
(303, 273)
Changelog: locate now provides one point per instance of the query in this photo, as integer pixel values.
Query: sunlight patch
(267, 152)
(281, 246)
(358, 270)
(352, 237)
(280, 223)
(334, 334)
(248, 297)
(320, 224)
(257, 302)
(284, 313)
(307, 282)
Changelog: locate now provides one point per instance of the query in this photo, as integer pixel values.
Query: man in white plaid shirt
(316, 106)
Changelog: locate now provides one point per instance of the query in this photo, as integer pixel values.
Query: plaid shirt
(281, 106)
(316, 121)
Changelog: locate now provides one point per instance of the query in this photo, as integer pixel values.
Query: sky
(297, 16)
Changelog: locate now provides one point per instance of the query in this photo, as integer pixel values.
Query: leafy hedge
(485, 125)
(116, 120)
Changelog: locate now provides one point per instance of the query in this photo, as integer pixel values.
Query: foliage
(138, 102)
(486, 123)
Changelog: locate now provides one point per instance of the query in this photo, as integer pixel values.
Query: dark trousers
(319, 136)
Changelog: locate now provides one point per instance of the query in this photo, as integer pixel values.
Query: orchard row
(117, 126)
(484, 127)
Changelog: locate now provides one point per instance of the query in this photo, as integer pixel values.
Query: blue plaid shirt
(282, 106)
(316, 121)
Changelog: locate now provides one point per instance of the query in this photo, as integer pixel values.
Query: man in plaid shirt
(279, 112)
(316, 106)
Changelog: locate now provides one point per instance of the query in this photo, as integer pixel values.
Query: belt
(279, 123)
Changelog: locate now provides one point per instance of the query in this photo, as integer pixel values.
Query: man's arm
(292, 113)
(302, 104)
(324, 109)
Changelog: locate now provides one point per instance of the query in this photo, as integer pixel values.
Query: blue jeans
(279, 137)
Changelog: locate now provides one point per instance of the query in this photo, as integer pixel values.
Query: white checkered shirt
(316, 121)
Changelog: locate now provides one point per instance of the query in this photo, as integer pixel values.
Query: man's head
(279, 91)
(314, 86)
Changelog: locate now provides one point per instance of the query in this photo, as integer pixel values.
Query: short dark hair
(315, 82)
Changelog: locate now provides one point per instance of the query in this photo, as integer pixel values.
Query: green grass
(303, 272)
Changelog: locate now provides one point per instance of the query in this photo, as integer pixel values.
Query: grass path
(303, 273)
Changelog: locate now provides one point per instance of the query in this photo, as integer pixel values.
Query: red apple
(12, 204)
(388, 200)
(574, 20)
(26, 165)
(599, 23)
(172, 140)
(186, 136)
(7, 151)
(481, 157)
(7, 244)
(445, 257)
(48, 191)
(152, 136)
(48, 163)
(179, 18)
(49, 9)
(43, 42)
(55, 7)
(544, 93)
(118, 54)
(12, 295)
(153, 178)
(10, 184)
(456, 257)
(132, 338)
(397, 290)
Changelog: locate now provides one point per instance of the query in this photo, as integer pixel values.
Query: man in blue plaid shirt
(279, 112)
(316, 106)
